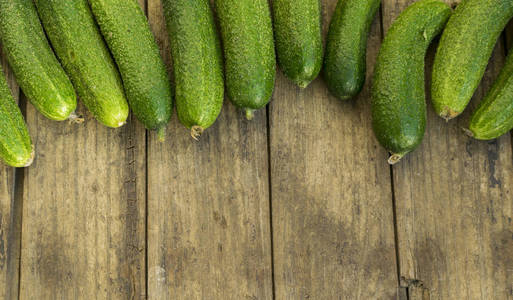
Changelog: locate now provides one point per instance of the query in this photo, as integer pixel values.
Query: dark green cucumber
(494, 115)
(79, 45)
(345, 61)
(37, 70)
(128, 35)
(15, 145)
(248, 44)
(197, 62)
(463, 53)
(298, 36)
(398, 96)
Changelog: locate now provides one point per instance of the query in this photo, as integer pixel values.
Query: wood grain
(331, 194)
(208, 206)
(10, 214)
(83, 234)
(454, 210)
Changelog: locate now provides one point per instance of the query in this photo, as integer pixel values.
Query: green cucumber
(128, 35)
(248, 44)
(16, 148)
(463, 53)
(345, 61)
(197, 62)
(37, 70)
(79, 45)
(494, 115)
(398, 95)
(298, 35)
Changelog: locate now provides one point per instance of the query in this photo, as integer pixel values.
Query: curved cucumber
(494, 115)
(248, 44)
(463, 53)
(297, 29)
(15, 145)
(345, 61)
(128, 35)
(197, 62)
(37, 70)
(398, 96)
(80, 47)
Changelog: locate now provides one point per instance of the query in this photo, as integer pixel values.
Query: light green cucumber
(298, 35)
(37, 70)
(79, 45)
(16, 148)
(463, 53)
(197, 62)
(494, 115)
(398, 96)
(344, 68)
(248, 44)
(128, 35)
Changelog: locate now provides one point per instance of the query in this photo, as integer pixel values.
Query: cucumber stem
(196, 132)
(467, 132)
(161, 134)
(31, 160)
(75, 119)
(249, 114)
(395, 158)
(448, 114)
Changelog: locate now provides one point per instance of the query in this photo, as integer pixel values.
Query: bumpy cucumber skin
(197, 62)
(463, 53)
(344, 68)
(398, 96)
(37, 70)
(494, 115)
(298, 36)
(79, 45)
(128, 35)
(15, 145)
(248, 44)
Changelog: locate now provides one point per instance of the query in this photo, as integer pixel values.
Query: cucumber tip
(395, 158)
(75, 119)
(196, 132)
(448, 114)
(31, 159)
(161, 134)
(250, 113)
(468, 132)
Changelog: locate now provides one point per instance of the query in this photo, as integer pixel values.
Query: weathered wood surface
(208, 206)
(331, 193)
(297, 204)
(10, 216)
(454, 205)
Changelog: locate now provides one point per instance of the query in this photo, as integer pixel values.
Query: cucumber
(37, 70)
(248, 45)
(197, 62)
(298, 36)
(494, 115)
(128, 35)
(16, 148)
(77, 41)
(344, 64)
(398, 96)
(463, 53)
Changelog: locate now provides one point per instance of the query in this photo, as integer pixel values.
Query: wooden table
(297, 204)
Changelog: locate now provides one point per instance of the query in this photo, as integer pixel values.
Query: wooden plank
(208, 206)
(83, 232)
(10, 216)
(331, 193)
(453, 205)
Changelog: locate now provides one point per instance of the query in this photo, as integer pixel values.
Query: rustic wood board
(208, 206)
(454, 209)
(10, 215)
(331, 194)
(83, 231)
